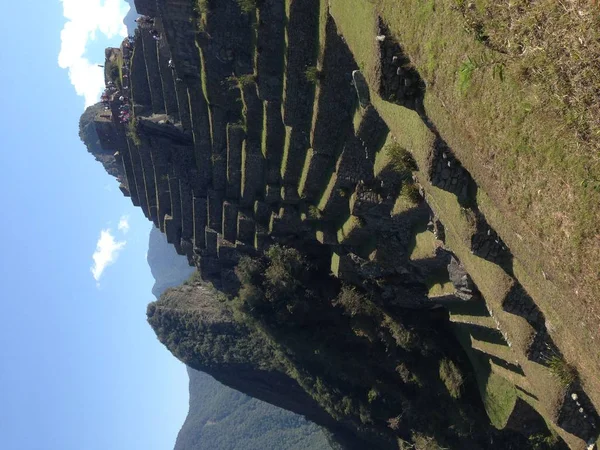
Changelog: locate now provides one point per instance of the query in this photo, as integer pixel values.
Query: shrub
(133, 134)
(249, 270)
(402, 160)
(451, 377)
(313, 74)
(201, 6)
(247, 6)
(354, 303)
(410, 191)
(465, 74)
(242, 81)
(314, 213)
(193, 279)
(282, 274)
(565, 372)
(424, 442)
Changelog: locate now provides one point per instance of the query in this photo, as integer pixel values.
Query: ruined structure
(234, 147)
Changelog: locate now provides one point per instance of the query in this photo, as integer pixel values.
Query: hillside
(221, 418)
(376, 220)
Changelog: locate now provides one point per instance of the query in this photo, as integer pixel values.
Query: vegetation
(401, 159)
(247, 6)
(451, 377)
(520, 117)
(410, 191)
(565, 372)
(242, 81)
(313, 74)
(221, 418)
(132, 132)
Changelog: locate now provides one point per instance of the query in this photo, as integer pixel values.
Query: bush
(451, 377)
(249, 270)
(242, 81)
(194, 278)
(354, 303)
(565, 372)
(402, 160)
(313, 74)
(410, 191)
(247, 6)
(424, 442)
(281, 277)
(133, 134)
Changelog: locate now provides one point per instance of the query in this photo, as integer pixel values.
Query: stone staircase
(251, 152)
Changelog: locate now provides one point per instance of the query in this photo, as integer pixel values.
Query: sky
(80, 367)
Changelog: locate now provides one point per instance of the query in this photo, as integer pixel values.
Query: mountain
(224, 419)
(129, 19)
(167, 267)
(221, 418)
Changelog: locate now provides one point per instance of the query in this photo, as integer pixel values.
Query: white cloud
(107, 252)
(123, 224)
(85, 19)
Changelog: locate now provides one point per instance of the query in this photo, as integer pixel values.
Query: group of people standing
(145, 20)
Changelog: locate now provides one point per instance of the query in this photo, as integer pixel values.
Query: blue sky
(81, 369)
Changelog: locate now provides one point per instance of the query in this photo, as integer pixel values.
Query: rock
(362, 88)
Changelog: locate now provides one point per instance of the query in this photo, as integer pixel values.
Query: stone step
(334, 201)
(372, 131)
(252, 182)
(301, 37)
(502, 352)
(139, 178)
(175, 200)
(211, 238)
(161, 177)
(353, 232)
(183, 104)
(246, 228)
(201, 130)
(252, 111)
(336, 97)
(152, 71)
(294, 155)
(215, 209)
(149, 182)
(316, 171)
(187, 210)
(168, 80)
(273, 140)
(235, 142)
(138, 81)
(129, 176)
(200, 221)
(271, 44)
(229, 227)
(516, 378)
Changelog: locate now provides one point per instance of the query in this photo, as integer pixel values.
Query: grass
(524, 123)
(402, 160)
(132, 133)
(410, 191)
(529, 115)
(499, 395)
(561, 369)
(452, 378)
